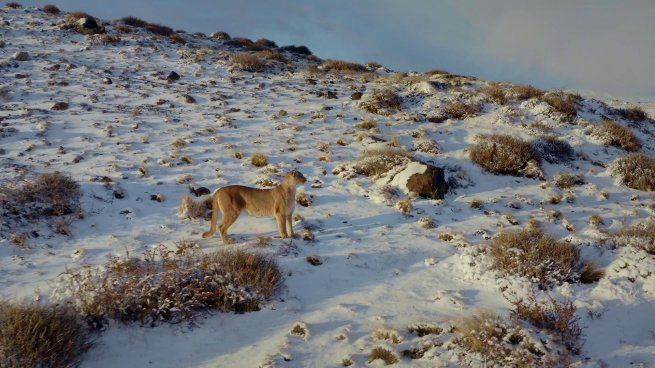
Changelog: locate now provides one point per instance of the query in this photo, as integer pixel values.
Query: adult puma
(278, 201)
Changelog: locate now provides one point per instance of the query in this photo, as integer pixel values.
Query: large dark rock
(431, 183)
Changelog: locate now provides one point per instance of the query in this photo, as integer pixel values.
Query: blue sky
(606, 46)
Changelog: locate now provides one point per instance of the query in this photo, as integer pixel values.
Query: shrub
(263, 42)
(564, 103)
(611, 133)
(247, 62)
(75, 16)
(272, 55)
(244, 43)
(461, 110)
(41, 336)
(342, 66)
(505, 155)
(635, 170)
(48, 194)
(258, 159)
(553, 149)
(536, 255)
(556, 318)
(437, 72)
(383, 354)
(134, 22)
(170, 285)
(51, 9)
(500, 342)
(640, 235)
(565, 180)
(634, 114)
(495, 94)
(421, 329)
(192, 209)
(300, 50)
(221, 36)
(378, 161)
(159, 29)
(107, 38)
(13, 5)
(521, 92)
(381, 101)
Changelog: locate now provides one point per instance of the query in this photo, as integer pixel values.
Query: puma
(278, 201)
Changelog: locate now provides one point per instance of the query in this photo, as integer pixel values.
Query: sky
(603, 46)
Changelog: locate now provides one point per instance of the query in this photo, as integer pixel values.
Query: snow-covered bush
(426, 145)
(462, 110)
(521, 92)
(501, 343)
(635, 170)
(495, 94)
(342, 66)
(565, 180)
(34, 335)
(535, 255)
(554, 150)
(46, 195)
(170, 285)
(381, 101)
(247, 62)
(611, 133)
(564, 103)
(633, 114)
(375, 162)
(506, 155)
(640, 235)
(557, 318)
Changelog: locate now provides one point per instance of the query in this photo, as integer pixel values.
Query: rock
(157, 197)
(314, 260)
(87, 23)
(423, 180)
(198, 192)
(356, 96)
(189, 99)
(107, 80)
(172, 76)
(331, 95)
(59, 106)
(21, 56)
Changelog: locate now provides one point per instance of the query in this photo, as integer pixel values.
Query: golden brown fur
(279, 201)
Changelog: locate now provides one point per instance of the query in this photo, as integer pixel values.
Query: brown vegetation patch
(614, 134)
(635, 170)
(381, 101)
(506, 155)
(247, 62)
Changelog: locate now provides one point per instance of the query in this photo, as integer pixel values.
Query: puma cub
(279, 201)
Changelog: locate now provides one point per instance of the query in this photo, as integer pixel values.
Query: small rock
(59, 106)
(189, 99)
(119, 193)
(172, 76)
(157, 197)
(314, 260)
(201, 191)
(356, 96)
(77, 159)
(311, 81)
(21, 56)
(331, 95)
(106, 80)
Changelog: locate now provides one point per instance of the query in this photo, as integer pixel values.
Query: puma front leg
(281, 224)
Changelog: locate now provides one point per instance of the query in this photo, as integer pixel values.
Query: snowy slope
(380, 267)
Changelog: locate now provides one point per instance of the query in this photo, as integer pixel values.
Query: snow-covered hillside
(383, 266)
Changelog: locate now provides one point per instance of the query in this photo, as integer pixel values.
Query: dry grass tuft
(461, 110)
(562, 102)
(171, 285)
(41, 336)
(533, 254)
(634, 114)
(611, 133)
(556, 318)
(258, 159)
(378, 161)
(404, 205)
(247, 62)
(640, 235)
(387, 334)
(46, 195)
(591, 272)
(521, 92)
(51, 9)
(381, 101)
(498, 342)
(384, 354)
(506, 155)
(134, 22)
(635, 170)
(192, 209)
(565, 180)
(495, 94)
(342, 66)
(421, 329)
(269, 54)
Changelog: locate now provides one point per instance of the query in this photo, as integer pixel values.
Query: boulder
(21, 56)
(422, 179)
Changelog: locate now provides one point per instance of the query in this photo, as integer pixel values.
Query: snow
(380, 268)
